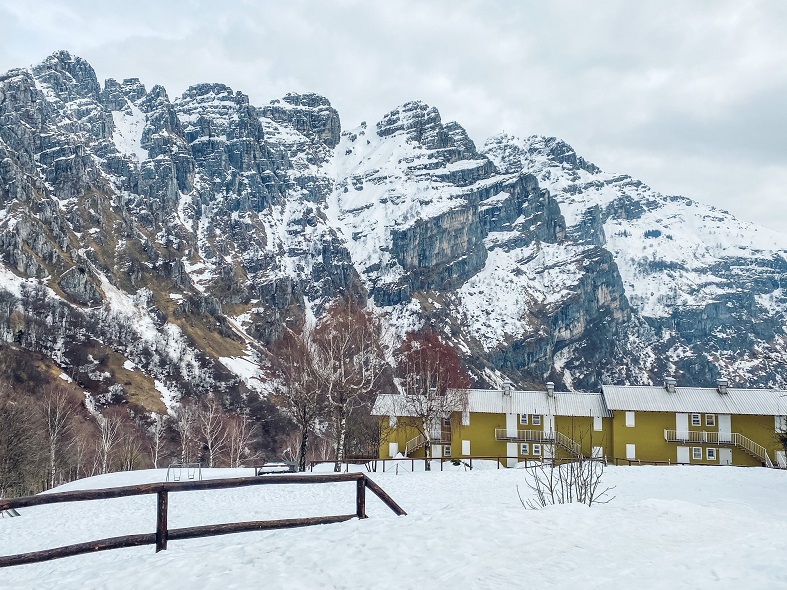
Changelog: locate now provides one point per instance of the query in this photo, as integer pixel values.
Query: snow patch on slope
(129, 125)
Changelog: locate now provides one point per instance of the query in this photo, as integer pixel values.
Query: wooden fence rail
(163, 533)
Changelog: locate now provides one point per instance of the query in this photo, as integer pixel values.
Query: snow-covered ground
(668, 527)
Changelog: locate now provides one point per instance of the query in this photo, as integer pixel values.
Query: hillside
(155, 247)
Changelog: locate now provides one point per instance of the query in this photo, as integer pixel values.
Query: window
(711, 454)
(536, 419)
(696, 420)
(536, 449)
(710, 420)
(523, 418)
(447, 422)
(630, 419)
(446, 451)
(524, 449)
(696, 453)
(392, 421)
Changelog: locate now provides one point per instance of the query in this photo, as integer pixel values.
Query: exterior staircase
(732, 439)
(419, 441)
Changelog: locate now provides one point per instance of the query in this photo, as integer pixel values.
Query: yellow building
(716, 426)
(625, 424)
(513, 425)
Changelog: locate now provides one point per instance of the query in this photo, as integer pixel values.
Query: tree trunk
(340, 442)
(52, 448)
(302, 452)
(428, 455)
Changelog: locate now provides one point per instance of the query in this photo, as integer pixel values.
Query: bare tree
(295, 357)
(157, 432)
(131, 445)
(82, 442)
(57, 406)
(21, 461)
(210, 420)
(185, 422)
(349, 361)
(434, 385)
(240, 436)
(110, 431)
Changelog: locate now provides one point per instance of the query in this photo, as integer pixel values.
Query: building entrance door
(725, 456)
(683, 454)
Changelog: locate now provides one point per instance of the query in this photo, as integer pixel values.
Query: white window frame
(710, 419)
(446, 450)
(523, 419)
(712, 454)
(630, 419)
(780, 423)
(392, 421)
(536, 419)
(524, 449)
(696, 419)
(696, 453)
(537, 449)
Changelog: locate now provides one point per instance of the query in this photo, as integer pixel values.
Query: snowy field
(668, 527)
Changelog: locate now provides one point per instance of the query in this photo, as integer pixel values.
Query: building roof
(646, 398)
(494, 401)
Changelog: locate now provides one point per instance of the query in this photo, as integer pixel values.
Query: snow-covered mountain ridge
(211, 222)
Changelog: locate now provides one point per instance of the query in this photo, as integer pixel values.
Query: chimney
(721, 385)
(670, 384)
(508, 387)
(550, 388)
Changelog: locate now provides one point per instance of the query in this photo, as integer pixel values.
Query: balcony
(524, 435)
(700, 437)
(733, 439)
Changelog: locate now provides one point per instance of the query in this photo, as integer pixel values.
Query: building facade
(624, 424)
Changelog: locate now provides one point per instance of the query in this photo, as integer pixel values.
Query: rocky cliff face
(183, 234)
(706, 287)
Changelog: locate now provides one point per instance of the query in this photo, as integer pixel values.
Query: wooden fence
(163, 533)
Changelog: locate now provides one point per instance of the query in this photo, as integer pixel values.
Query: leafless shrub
(576, 481)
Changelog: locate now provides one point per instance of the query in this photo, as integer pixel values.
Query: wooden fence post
(161, 521)
(360, 498)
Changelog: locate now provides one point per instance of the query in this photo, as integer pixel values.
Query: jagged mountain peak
(513, 154)
(420, 122)
(305, 99)
(310, 114)
(69, 76)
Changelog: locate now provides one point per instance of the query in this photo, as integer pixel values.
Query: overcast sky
(688, 96)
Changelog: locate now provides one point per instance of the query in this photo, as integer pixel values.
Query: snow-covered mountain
(708, 285)
(172, 240)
